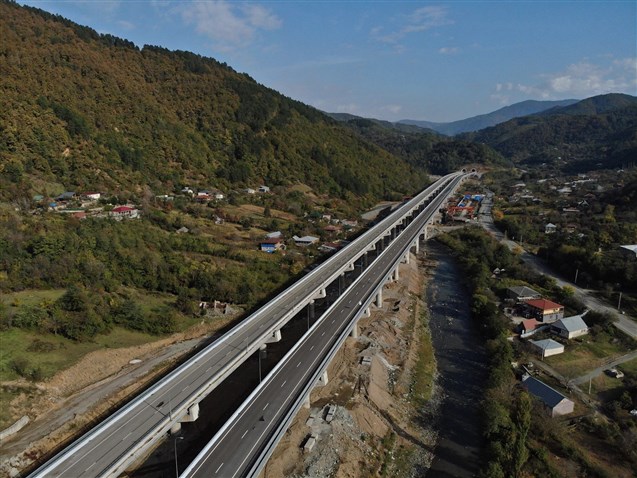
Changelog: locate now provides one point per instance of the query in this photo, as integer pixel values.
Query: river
(461, 361)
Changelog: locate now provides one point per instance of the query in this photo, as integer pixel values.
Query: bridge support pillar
(417, 244)
(306, 403)
(191, 415)
(175, 428)
(275, 337)
(310, 310)
(379, 298)
(350, 267)
(368, 312)
(322, 294)
(354, 332)
(323, 380)
(407, 259)
(396, 273)
(263, 351)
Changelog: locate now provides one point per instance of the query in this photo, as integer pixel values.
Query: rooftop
(548, 395)
(543, 304)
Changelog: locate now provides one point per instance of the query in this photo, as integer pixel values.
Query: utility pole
(576, 273)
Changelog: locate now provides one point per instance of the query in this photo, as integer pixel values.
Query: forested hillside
(599, 132)
(92, 111)
(421, 149)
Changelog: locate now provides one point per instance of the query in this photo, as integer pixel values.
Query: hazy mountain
(479, 122)
(92, 111)
(420, 147)
(599, 132)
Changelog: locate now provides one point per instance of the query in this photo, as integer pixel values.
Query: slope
(93, 111)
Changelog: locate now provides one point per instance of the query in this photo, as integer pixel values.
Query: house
(92, 196)
(124, 212)
(547, 347)
(249, 191)
(522, 293)
(544, 310)
(332, 229)
(550, 228)
(349, 224)
(570, 327)
(81, 215)
(330, 246)
(183, 230)
(274, 235)
(556, 403)
(272, 245)
(305, 240)
(264, 189)
(65, 196)
(528, 327)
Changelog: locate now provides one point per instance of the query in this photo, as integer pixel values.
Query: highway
(242, 446)
(118, 441)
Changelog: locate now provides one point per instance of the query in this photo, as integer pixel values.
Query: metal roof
(571, 324)
(548, 395)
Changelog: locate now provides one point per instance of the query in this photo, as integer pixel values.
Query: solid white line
(266, 405)
(244, 434)
(284, 383)
(218, 469)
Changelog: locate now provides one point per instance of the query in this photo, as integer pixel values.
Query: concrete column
(379, 298)
(175, 428)
(275, 337)
(368, 312)
(417, 244)
(191, 415)
(263, 351)
(365, 260)
(354, 332)
(323, 380)
(407, 259)
(310, 310)
(396, 273)
(306, 402)
(425, 232)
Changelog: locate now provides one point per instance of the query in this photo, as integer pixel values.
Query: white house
(264, 189)
(556, 403)
(305, 240)
(570, 327)
(548, 347)
(550, 228)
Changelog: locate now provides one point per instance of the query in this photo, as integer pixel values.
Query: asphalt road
(625, 323)
(145, 419)
(236, 448)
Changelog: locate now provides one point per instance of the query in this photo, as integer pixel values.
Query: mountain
(599, 132)
(94, 112)
(479, 122)
(420, 147)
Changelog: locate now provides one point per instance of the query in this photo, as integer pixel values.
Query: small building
(330, 246)
(547, 347)
(66, 196)
(124, 212)
(528, 327)
(274, 235)
(183, 230)
(305, 240)
(91, 195)
(570, 327)
(272, 245)
(544, 310)
(550, 228)
(556, 403)
(264, 189)
(249, 191)
(522, 293)
(332, 229)
(630, 250)
(187, 190)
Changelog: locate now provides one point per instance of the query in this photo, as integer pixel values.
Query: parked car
(613, 372)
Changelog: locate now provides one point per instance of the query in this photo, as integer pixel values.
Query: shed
(556, 403)
(550, 228)
(548, 347)
(570, 327)
(272, 244)
(305, 240)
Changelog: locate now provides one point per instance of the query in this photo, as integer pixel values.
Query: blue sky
(436, 61)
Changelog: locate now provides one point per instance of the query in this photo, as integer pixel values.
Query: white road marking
(284, 382)
(244, 434)
(297, 365)
(218, 469)
(266, 405)
(311, 347)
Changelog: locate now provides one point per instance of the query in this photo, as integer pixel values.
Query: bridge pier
(191, 415)
(175, 428)
(396, 273)
(306, 403)
(368, 312)
(275, 337)
(379, 298)
(354, 332)
(417, 244)
(323, 380)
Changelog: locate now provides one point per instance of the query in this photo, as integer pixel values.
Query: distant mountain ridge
(598, 132)
(476, 123)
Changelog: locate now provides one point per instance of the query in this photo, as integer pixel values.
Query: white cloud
(393, 109)
(581, 79)
(126, 25)
(449, 50)
(230, 26)
(421, 19)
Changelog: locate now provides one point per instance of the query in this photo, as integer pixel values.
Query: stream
(462, 369)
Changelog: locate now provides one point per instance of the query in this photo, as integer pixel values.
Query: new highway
(118, 441)
(242, 446)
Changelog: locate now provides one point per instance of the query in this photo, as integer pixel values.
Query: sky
(393, 60)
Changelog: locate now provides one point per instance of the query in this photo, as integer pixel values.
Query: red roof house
(544, 310)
